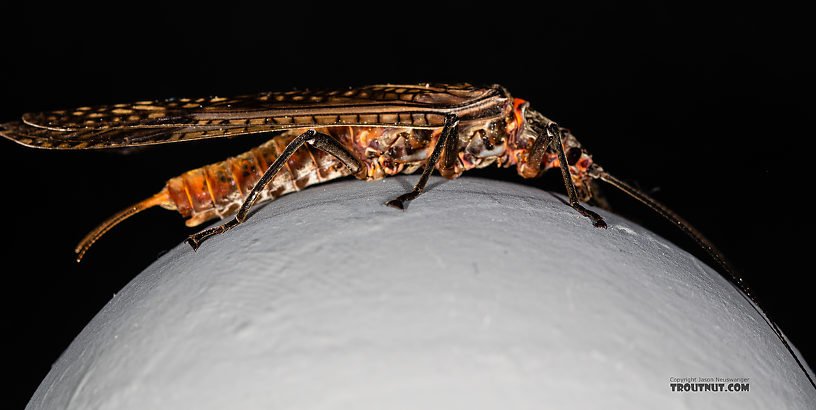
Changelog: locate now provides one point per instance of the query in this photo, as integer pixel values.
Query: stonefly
(370, 132)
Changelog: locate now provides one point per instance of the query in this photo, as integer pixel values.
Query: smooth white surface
(482, 295)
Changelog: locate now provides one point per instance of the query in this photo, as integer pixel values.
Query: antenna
(737, 280)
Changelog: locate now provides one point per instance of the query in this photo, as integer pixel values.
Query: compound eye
(573, 155)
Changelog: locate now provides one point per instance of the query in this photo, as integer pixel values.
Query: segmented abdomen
(218, 190)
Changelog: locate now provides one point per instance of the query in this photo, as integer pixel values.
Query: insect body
(370, 132)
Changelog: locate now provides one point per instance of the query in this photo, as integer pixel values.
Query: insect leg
(319, 140)
(449, 132)
(558, 145)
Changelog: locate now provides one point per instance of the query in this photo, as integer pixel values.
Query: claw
(597, 220)
(396, 203)
(193, 243)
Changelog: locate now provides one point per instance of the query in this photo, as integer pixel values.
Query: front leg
(551, 137)
(597, 220)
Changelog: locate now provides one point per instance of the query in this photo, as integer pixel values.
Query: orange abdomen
(218, 190)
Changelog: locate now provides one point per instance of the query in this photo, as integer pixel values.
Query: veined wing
(182, 119)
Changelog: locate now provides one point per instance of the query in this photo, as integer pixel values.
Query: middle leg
(447, 140)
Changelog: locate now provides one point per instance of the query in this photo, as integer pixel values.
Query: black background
(705, 108)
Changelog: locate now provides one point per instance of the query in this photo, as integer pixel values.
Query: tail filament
(120, 216)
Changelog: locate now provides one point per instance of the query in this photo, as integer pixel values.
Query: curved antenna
(120, 216)
(736, 279)
(677, 221)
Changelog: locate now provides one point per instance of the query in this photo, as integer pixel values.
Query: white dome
(481, 295)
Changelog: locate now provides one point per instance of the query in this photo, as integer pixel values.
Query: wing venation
(181, 119)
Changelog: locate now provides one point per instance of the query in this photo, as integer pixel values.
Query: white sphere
(481, 295)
